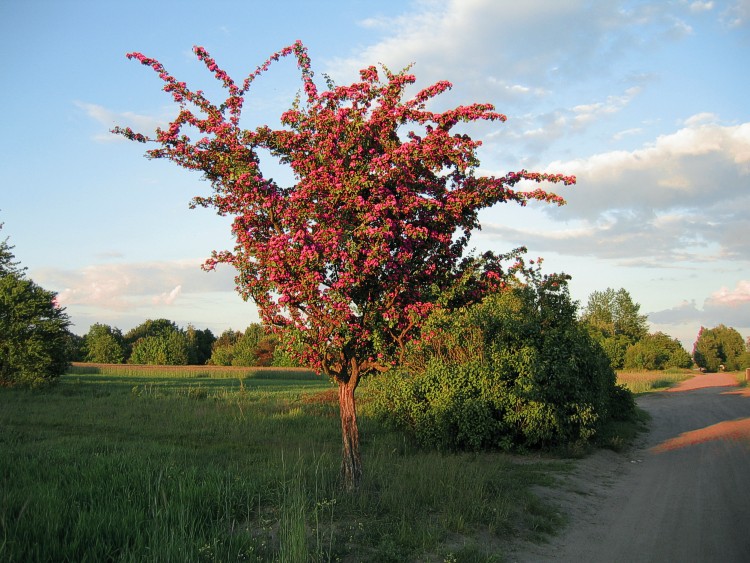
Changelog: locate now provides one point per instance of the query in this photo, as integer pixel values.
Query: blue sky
(646, 102)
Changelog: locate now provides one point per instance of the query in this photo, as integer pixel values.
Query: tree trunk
(351, 463)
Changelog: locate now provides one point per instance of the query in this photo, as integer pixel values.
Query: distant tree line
(614, 321)
(611, 317)
(36, 344)
(162, 342)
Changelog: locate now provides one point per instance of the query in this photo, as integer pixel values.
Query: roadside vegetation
(646, 381)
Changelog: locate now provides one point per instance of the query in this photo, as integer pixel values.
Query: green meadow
(136, 464)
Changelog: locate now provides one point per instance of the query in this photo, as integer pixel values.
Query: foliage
(745, 357)
(281, 358)
(200, 343)
(515, 371)
(717, 347)
(150, 327)
(657, 351)
(615, 346)
(223, 347)
(75, 347)
(248, 348)
(161, 341)
(169, 349)
(33, 328)
(254, 347)
(105, 345)
(371, 236)
(614, 321)
(8, 263)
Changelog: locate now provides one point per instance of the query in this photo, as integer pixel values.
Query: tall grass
(645, 381)
(123, 468)
(149, 371)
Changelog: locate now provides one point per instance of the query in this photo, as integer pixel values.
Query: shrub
(657, 351)
(255, 347)
(166, 349)
(515, 371)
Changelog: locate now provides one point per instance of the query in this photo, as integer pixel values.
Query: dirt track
(682, 494)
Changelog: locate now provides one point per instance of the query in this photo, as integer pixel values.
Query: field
(149, 464)
(648, 381)
(642, 381)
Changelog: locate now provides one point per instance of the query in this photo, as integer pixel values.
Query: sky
(646, 102)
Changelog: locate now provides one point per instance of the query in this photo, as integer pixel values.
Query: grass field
(647, 381)
(183, 465)
(642, 381)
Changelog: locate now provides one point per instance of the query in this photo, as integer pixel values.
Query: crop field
(183, 464)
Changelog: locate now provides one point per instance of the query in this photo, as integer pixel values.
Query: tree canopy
(718, 348)
(255, 347)
(615, 321)
(105, 345)
(34, 337)
(370, 237)
(657, 351)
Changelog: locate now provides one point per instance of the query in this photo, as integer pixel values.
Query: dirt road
(683, 494)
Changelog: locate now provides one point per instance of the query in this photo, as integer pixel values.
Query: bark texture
(351, 462)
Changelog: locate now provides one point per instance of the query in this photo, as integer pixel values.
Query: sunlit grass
(165, 467)
(213, 372)
(643, 381)
(742, 377)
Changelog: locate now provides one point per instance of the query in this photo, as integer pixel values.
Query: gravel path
(682, 494)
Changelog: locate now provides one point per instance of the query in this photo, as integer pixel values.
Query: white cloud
(167, 298)
(686, 311)
(586, 113)
(696, 166)
(123, 286)
(697, 7)
(724, 306)
(110, 119)
(683, 198)
(126, 294)
(739, 296)
(738, 14)
(515, 91)
(701, 119)
(528, 43)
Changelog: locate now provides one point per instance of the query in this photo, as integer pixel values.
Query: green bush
(33, 334)
(104, 345)
(515, 371)
(657, 351)
(719, 348)
(255, 347)
(167, 349)
(614, 321)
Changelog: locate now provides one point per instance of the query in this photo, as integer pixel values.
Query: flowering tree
(370, 237)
